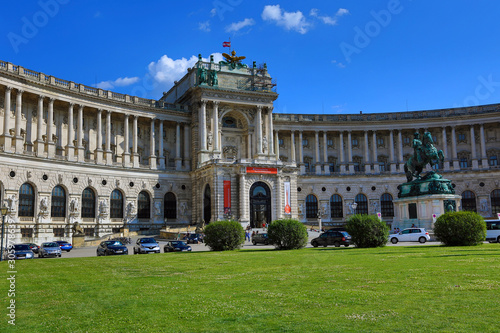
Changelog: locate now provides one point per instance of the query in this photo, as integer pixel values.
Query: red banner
(227, 197)
(267, 171)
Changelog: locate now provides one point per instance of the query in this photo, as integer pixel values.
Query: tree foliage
(224, 235)
(460, 229)
(367, 231)
(287, 234)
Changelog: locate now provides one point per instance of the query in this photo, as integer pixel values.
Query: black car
(336, 238)
(111, 247)
(176, 246)
(33, 247)
(194, 239)
(260, 238)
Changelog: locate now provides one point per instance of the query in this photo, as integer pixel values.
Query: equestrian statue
(424, 153)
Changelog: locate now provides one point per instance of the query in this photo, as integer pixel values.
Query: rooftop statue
(232, 60)
(424, 153)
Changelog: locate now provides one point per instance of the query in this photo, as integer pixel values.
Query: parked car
(332, 237)
(33, 247)
(493, 231)
(65, 246)
(176, 246)
(194, 239)
(111, 247)
(49, 249)
(410, 235)
(260, 238)
(18, 251)
(146, 245)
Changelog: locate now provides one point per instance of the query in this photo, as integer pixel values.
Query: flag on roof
(226, 44)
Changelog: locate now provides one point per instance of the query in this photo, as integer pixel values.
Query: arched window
(362, 202)
(311, 206)
(143, 206)
(170, 206)
(495, 202)
(116, 203)
(336, 209)
(386, 205)
(26, 200)
(88, 203)
(469, 201)
(58, 205)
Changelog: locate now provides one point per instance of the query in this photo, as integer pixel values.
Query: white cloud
(289, 20)
(339, 64)
(167, 70)
(329, 20)
(120, 82)
(213, 12)
(204, 26)
(237, 26)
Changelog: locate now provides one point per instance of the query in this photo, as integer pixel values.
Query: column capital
(259, 107)
(20, 91)
(41, 97)
(99, 110)
(8, 88)
(203, 102)
(51, 100)
(135, 116)
(71, 104)
(126, 115)
(109, 112)
(80, 107)
(216, 103)
(270, 108)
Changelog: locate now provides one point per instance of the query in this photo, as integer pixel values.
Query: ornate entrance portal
(260, 205)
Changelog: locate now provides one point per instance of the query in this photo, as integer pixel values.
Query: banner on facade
(268, 171)
(288, 205)
(227, 197)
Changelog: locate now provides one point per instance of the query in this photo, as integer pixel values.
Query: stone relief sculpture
(484, 205)
(12, 203)
(210, 139)
(375, 206)
(74, 206)
(264, 144)
(44, 206)
(103, 207)
(352, 207)
(130, 209)
(183, 209)
(157, 207)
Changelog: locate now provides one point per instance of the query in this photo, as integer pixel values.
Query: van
(493, 231)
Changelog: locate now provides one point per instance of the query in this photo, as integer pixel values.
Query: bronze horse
(426, 154)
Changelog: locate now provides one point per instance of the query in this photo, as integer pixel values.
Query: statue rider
(417, 146)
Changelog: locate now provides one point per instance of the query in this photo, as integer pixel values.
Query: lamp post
(4, 211)
(319, 220)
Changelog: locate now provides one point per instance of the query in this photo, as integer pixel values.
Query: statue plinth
(432, 183)
(78, 240)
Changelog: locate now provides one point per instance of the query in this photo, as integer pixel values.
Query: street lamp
(319, 220)
(4, 211)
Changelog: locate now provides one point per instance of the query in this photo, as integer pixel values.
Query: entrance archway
(260, 205)
(207, 204)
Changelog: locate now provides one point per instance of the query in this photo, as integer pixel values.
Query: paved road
(91, 250)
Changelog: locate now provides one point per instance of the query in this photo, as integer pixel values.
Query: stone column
(187, 146)
(70, 147)
(484, 157)
(367, 155)
(276, 144)
(152, 155)
(249, 146)
(456, 165)
(376, 165)
(326, 166)
(203, 126)
(6, 138)
(292, 147)
(19, 140)
(270, 130)
(445, 150)
(475, 163)
(79, 135)
(301, 154)
(215, 121)
(108, 152)
(258, 127)
(161, 157)
(39, 143)
(178, 159)
(51, 147)
(316, 149)
(126, 143)
(98, 151)
(135, 155)
(392, 157)
(349, 152)
(400, 151)
(244, 216)
(342, 153)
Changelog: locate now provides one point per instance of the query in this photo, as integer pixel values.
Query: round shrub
(367, 231)
(224, 235)
(460, 229)
(287, 234)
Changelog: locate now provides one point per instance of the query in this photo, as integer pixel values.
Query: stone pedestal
(78, 241)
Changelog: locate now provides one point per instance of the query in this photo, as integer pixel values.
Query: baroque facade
(211, 148)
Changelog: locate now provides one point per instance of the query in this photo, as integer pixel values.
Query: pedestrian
(395, 231)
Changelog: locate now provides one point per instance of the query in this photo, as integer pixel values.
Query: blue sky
(328, 57)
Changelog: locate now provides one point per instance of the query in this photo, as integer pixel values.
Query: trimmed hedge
(287, 234)
(460, 229)
(367, 231)
(224, 235)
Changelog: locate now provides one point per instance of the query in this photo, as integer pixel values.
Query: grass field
(391, 289)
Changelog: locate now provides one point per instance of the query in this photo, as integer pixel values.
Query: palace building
(212, 148)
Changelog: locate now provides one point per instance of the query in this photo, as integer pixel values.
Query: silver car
(49, 249)
(146, 245)
(18, 251)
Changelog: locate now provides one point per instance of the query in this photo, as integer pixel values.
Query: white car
(410, 235)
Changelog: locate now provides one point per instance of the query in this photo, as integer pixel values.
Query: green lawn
(391, 289)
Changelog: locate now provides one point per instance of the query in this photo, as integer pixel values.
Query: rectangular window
(26, 232)
(382, 167)
(493, 161)
(281, 142)
(380, 141)
(463, 163)
(355, 142)
(332, 167)
(412, 210)
(89, 232)
(406, 140)
(329, 142)
(305, 142)
(58, 232)
(461, 137)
